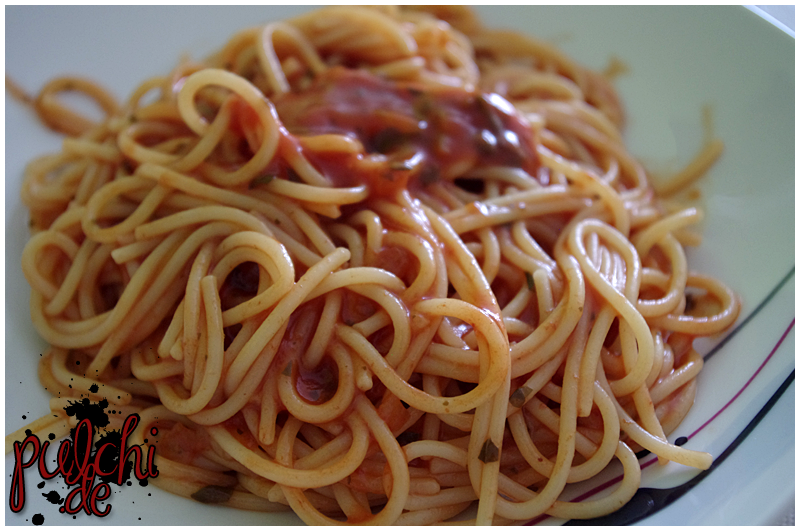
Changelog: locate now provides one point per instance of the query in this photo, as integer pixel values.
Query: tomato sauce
(423, 135)
(181, 444)
(240, 285)
(318, 385)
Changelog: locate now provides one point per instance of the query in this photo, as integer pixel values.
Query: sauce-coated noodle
(372, 266)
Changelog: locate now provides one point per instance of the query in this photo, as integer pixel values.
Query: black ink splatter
(53, 497)
(94, 388)
(41, 485)
(86, 409)
(109, 459)
(37, 519)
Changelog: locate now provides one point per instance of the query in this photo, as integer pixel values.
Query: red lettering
(79, 467)
(98, 496)
(82, 431)
(73, 494)
(124, 453)
(63, 457)
(43, 463)
(82, 491)
(17, 497)
(151, 455)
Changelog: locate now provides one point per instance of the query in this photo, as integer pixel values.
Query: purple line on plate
(772, 352)
(618, 478)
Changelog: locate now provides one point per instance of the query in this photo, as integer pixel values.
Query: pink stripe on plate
(772, 352)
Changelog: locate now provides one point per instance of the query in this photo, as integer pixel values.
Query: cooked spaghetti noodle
(373, 265)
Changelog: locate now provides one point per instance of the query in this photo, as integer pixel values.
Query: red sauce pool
(318, 385)
(424, 135)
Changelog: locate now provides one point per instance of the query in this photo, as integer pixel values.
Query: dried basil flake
(388, 140)
(262, 179)
(489, 453)
(402, 165)
(213, 494)
(206, 110)
(518, 397)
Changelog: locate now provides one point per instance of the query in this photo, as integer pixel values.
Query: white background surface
(784, 14)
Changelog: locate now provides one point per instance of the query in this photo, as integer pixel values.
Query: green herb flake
(489, 453)
(529, 278)
(388, 140)
(402, 165)
(489, 111)
(519, 396)
(206, 110)
(261, 180)
(422, 106)
(287, 371)
(213, 494)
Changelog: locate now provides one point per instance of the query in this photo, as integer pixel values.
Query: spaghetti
(373, 265)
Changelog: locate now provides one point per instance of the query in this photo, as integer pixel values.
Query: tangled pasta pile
(373, 265)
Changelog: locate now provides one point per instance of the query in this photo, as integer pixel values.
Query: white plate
(679, 59)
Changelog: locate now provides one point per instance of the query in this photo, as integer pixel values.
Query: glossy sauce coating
(420, 137)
